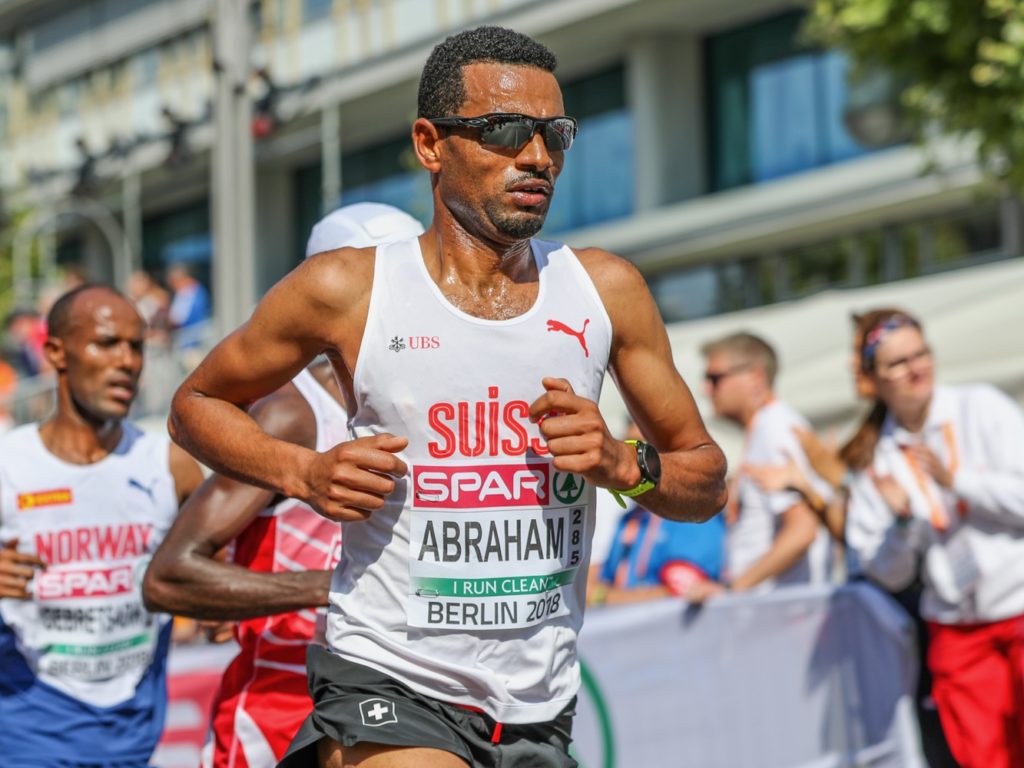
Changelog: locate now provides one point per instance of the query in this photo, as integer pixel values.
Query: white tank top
(469, 585)
(86, 632)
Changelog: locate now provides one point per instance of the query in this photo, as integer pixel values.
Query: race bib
(493, 546)
(91, 624)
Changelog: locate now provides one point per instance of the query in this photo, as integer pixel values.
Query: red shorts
(262, 701)
(978, 686)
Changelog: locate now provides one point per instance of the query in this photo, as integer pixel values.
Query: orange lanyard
(937, 512)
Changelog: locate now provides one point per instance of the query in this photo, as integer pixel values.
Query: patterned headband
(877, 334)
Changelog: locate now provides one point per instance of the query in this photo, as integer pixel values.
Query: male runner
(472, 359)
(281, 550)
(85, 497)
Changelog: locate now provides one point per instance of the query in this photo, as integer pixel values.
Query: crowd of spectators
(925, 500)
(176, 309)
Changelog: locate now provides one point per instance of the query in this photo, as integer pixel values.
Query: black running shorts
(354, 703)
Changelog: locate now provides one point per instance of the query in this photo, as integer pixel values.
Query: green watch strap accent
(642, 487)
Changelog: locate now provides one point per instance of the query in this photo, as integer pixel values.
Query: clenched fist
(16, 571)
(352, 480)
(579, 440)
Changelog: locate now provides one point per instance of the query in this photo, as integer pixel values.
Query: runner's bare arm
(796, 535)
(186, 472)
(319, 306)
(692, 484)
(186, 578)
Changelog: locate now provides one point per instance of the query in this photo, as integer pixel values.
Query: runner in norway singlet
(83, 663)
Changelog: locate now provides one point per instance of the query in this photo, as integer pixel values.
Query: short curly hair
(61, 317)
(442, 89)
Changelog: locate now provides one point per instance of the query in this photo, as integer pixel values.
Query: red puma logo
(555, 325)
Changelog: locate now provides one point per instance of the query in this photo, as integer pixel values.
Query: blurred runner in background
(85, 497)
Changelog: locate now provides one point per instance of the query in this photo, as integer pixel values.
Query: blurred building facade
(731, 162)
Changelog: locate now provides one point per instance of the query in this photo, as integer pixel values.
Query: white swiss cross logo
(377, 712)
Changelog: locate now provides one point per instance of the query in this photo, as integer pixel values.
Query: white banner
(803, 677)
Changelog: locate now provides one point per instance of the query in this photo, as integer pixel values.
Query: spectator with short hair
(775, 538)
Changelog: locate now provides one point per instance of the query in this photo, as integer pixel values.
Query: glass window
(972, 235)
(376, 162)
(895, 251)
(775, 108)
(63, 27)
(308, 206)
(69, 97)
(596, 183)
(313, 10)
(686, 294)
(146, 65)
(387, 173)
(278, 11)
(382, 173)
(162, 230)
(112, 10)
(70, 252)
(814, 268)
(81, 18)
(711, 289)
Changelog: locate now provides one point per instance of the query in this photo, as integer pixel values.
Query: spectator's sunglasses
(715, 378)
(512, 130)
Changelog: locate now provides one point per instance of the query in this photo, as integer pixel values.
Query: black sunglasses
(715, 378)
(510, 129)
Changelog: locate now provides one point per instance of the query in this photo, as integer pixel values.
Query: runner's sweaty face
(502, 193)
(102, 355)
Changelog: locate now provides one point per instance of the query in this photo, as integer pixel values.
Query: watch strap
(642, 487)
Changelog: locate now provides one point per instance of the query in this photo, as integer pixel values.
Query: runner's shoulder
(617, 280)
(336, 279)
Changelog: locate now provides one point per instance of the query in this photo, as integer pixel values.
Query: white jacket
(969, 541)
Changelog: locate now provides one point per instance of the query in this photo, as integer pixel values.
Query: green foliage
(960, 63)
(6, 278)
(9, 231)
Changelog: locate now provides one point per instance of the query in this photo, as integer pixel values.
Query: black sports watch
(649, 462)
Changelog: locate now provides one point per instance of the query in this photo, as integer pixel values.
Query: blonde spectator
(773, 537)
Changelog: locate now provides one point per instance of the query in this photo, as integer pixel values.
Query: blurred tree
(14, 220)
(957, 66)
